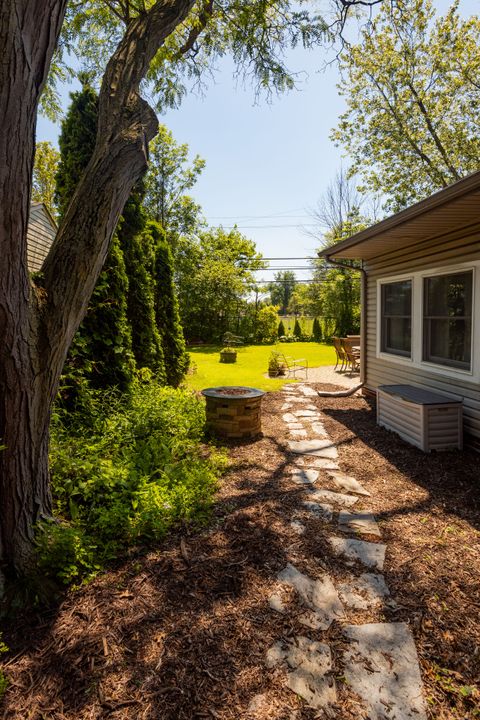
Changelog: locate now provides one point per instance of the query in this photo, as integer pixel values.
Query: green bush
(317, 330)
(135, 470)
(281, 329)
(3, 677)
(297, 330)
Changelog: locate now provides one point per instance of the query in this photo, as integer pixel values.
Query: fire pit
(234, 412)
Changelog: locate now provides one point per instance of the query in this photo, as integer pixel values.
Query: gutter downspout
(363, 331)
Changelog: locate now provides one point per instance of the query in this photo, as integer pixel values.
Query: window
(447, 319)
(396, 329)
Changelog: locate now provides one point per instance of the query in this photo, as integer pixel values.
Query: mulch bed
(181, 633)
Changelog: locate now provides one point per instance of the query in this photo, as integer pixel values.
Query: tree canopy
(412, 123)
(44, 173)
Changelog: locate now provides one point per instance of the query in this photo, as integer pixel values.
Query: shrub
(135, 471)
(281, 329)
(297, 330)
(317, 330)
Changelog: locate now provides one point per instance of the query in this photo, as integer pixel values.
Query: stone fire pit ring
(234, 411)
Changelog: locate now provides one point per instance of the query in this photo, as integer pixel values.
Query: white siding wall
(40, 235)
(452, 251)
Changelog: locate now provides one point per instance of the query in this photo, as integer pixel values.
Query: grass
(251, 365)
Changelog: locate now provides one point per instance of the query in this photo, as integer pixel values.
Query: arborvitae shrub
(166, 308)
(139, 254)
(281, 329)
(317, 330)
(101, 351)
(297, 330)
(76, 143)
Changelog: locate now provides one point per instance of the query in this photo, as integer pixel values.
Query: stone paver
(362, 523)
(295, 426)
(307, 414)
(298, 527)
(319, 596)
(330, 496)
(307, 391)
(319, 430)
(322, 510)
(381, 666)
(276, 603)
(347, 482)
(298, 433)
(304, 477)
(318, 448)
(316, 462)
(309, 666)
(370, 554)
(364, 592)
(289, 418)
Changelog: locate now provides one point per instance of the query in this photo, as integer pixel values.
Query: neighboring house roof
(455, 208)
(41, 232)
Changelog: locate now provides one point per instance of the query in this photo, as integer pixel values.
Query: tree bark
(37, 324)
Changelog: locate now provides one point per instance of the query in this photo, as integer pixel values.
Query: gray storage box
(428, 420)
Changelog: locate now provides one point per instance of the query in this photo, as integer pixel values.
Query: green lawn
(251, 365)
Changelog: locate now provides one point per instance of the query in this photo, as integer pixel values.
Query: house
(421, 297)
(41, 232)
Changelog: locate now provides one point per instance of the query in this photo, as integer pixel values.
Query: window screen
(447, 319)
(396, 329)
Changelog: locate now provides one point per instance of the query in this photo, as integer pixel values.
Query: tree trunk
(28, 34)
(37, 324)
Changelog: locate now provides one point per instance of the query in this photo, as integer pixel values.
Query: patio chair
(293, 365)
(341, 356)
(352, 354)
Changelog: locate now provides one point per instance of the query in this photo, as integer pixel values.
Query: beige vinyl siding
(40, 235)
(446, 252)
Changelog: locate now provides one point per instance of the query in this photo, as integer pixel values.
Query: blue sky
(267, 164)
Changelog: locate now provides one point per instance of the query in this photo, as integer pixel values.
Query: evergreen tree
(297, 330)
(166, 308)
(76, 143)
(101, 352)
(139, 253)
(281, 329)
(317, 330)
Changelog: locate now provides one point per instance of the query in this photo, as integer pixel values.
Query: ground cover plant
(124, 476)
(251, 365)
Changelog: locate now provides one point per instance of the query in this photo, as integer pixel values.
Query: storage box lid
(418, 395)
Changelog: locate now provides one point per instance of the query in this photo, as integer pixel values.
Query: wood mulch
(181, 633)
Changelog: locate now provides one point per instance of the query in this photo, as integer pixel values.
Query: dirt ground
(181, 633)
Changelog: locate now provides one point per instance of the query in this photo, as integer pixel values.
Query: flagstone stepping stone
(286, 406)
(322, 510)
(319, 596)
(296, 399)
(318, 448)
(306, 413)
(289, 418)
(309, 666)
(295, 426)
(307, 391)
(276, 603)
(319, 430)
(316, 462)
(364, 592)
(298, 433)
(381, 666)
(362, 523)
(330, 496)
(298, 527)
(370, 554)
(347, 482)
(304, 477)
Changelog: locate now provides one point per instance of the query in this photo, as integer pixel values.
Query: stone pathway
(379, 662)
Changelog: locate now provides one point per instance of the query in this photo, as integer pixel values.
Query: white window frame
(416, 358)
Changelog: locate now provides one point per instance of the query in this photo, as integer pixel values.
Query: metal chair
(352, 355)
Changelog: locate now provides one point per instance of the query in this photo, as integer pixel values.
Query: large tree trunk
(37, 324)
(28, 33)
